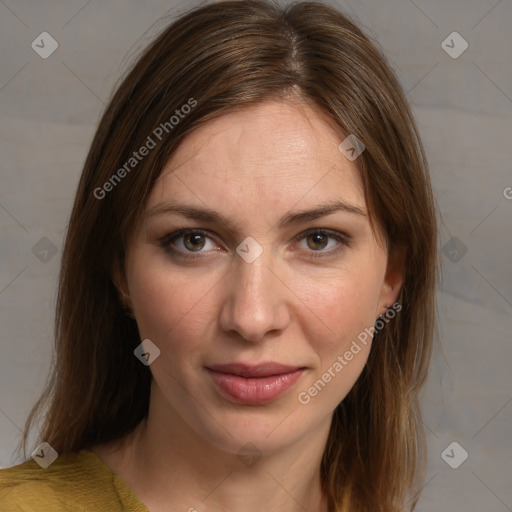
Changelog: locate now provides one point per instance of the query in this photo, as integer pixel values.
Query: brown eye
(193, 241)
(322, 243)
(317, 241)
(188, 243)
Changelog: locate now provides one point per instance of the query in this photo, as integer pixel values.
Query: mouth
(254, 384)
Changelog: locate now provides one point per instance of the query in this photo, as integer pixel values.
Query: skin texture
(253, 166)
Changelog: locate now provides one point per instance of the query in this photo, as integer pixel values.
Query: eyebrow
(211, 216)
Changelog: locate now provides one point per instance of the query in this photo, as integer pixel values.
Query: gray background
(49, 109)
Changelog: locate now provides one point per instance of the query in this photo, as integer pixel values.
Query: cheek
(343, 349)
(165, 302)
(341, 307)
(177, 308)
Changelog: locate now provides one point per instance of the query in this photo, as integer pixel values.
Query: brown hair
(216, 58)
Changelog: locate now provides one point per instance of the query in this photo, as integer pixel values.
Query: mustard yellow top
(79, 482)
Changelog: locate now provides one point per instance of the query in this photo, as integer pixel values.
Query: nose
(255, 305)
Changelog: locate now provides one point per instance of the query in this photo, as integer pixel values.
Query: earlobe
(119, 281)
(394, 278)
(118, 276)
(122, 295)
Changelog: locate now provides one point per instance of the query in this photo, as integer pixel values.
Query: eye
(186, 242)
(317, 240)
(194, 243)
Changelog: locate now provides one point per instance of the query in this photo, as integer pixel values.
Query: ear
(394, 278)
(118, 277)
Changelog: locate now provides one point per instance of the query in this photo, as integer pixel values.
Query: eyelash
(167, 240)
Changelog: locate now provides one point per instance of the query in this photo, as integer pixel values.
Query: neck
(166, 462)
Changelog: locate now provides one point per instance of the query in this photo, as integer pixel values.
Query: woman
(246, 302)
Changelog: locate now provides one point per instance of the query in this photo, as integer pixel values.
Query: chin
(255, 428)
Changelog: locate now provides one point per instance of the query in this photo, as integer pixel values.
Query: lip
(266, 369)
(254, 384)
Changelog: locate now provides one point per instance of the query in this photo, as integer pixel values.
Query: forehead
(272, 131)
(277, 152)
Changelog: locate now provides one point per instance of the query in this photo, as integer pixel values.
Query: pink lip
(254, 384)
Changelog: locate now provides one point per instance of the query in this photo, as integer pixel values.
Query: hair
(217, 58)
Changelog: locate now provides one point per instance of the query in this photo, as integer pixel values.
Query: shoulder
(78, 482)
(30, 487)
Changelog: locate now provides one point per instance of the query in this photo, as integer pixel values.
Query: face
(255, 272)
